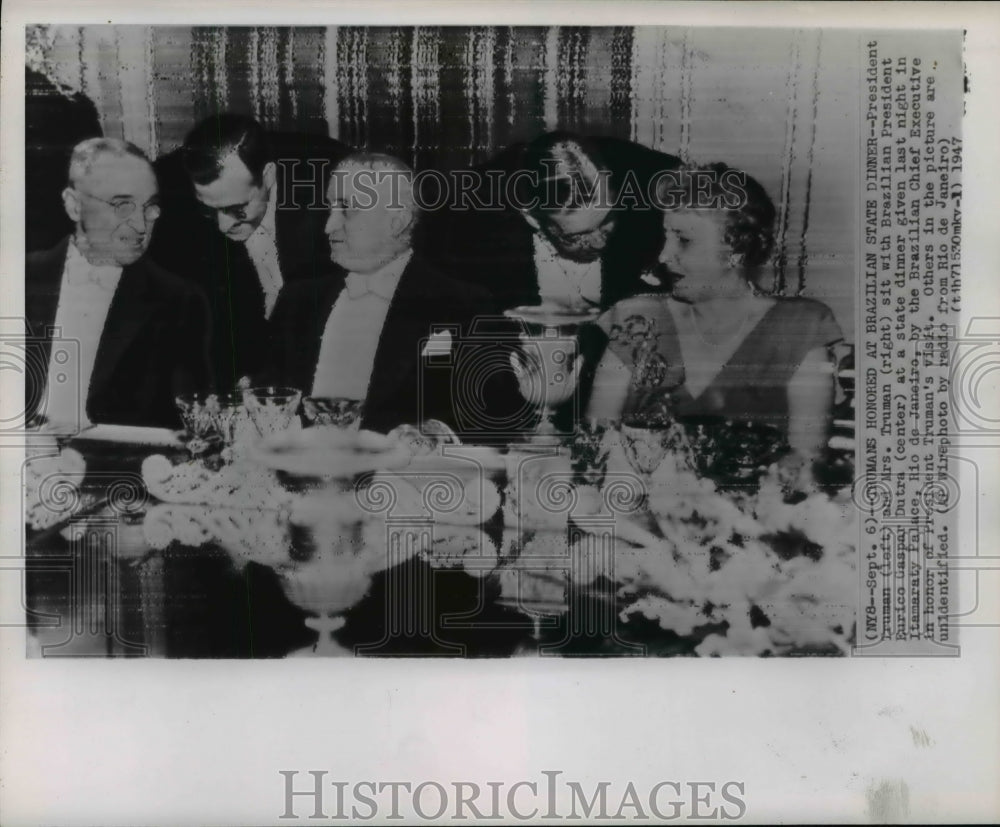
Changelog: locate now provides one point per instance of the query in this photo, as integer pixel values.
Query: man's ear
(71, 203)
(402, 220)
(269, 175)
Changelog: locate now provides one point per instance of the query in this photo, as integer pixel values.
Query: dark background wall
(777, 103)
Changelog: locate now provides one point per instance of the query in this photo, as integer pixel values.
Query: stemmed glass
(232, 420)
(198, 413)
(548, 364)
(272, 408)
(648, 441)
(330, 411)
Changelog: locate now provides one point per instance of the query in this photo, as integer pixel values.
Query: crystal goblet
(198, 414)
(272, 408)
(335, 411)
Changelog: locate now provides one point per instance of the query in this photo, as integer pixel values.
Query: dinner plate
(132, 435)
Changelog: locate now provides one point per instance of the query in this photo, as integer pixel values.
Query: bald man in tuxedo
(392, 331)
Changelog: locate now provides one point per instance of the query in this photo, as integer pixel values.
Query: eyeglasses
(237, 212)
(124, 208)
(603, 228)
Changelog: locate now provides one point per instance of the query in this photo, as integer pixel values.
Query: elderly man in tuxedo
(243, 215)
(390, 332)
(118, 336)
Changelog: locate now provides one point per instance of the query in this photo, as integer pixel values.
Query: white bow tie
(103, 276)
(359, 285)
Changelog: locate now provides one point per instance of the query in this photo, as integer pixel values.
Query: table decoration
(328, 457)
(239, 485)
(259, 535)
(52, 483)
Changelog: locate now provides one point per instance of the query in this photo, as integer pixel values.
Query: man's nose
(668, 250)
(226, 222)
(138, 221)
(333, 221)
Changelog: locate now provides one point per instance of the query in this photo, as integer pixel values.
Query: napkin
(133, 434)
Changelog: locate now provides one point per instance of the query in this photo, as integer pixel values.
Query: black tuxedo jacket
(154, 344)
(191, 246)
(495, 248)
(405, 387)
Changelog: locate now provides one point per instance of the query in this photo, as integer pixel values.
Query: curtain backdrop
(781, 104)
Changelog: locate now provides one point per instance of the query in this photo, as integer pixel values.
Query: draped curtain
(781, 104)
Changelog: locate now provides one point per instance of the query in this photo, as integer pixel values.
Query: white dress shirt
(85, 295)
(572, 284)
(351, 336)
(263, 251)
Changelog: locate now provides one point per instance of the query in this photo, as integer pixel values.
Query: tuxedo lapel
(284, 236)
(306, 339)
(298, 233)
(43, 281)
(397, 358)
(242, 284)
(41, 290)
(130, 311)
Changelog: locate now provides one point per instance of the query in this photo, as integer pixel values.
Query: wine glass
(333, 411)
(272, 408)
(232, 420)
(197, 412)
(648, 441)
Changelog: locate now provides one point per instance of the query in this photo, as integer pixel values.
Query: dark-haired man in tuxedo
(565, 219)
(131, 336)
(243, 215)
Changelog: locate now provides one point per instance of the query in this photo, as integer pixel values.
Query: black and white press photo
(488, 405)
(470, 341)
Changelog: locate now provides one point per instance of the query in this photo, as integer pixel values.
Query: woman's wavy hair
(749, 210)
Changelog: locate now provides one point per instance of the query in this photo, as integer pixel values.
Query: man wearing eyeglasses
(118, 336)
(243, 216)
(565, 220)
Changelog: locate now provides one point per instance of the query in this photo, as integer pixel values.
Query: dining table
(258, 564)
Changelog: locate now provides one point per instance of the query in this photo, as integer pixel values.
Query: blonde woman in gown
(751, 375)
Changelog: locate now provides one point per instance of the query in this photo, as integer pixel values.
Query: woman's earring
(735, 260)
